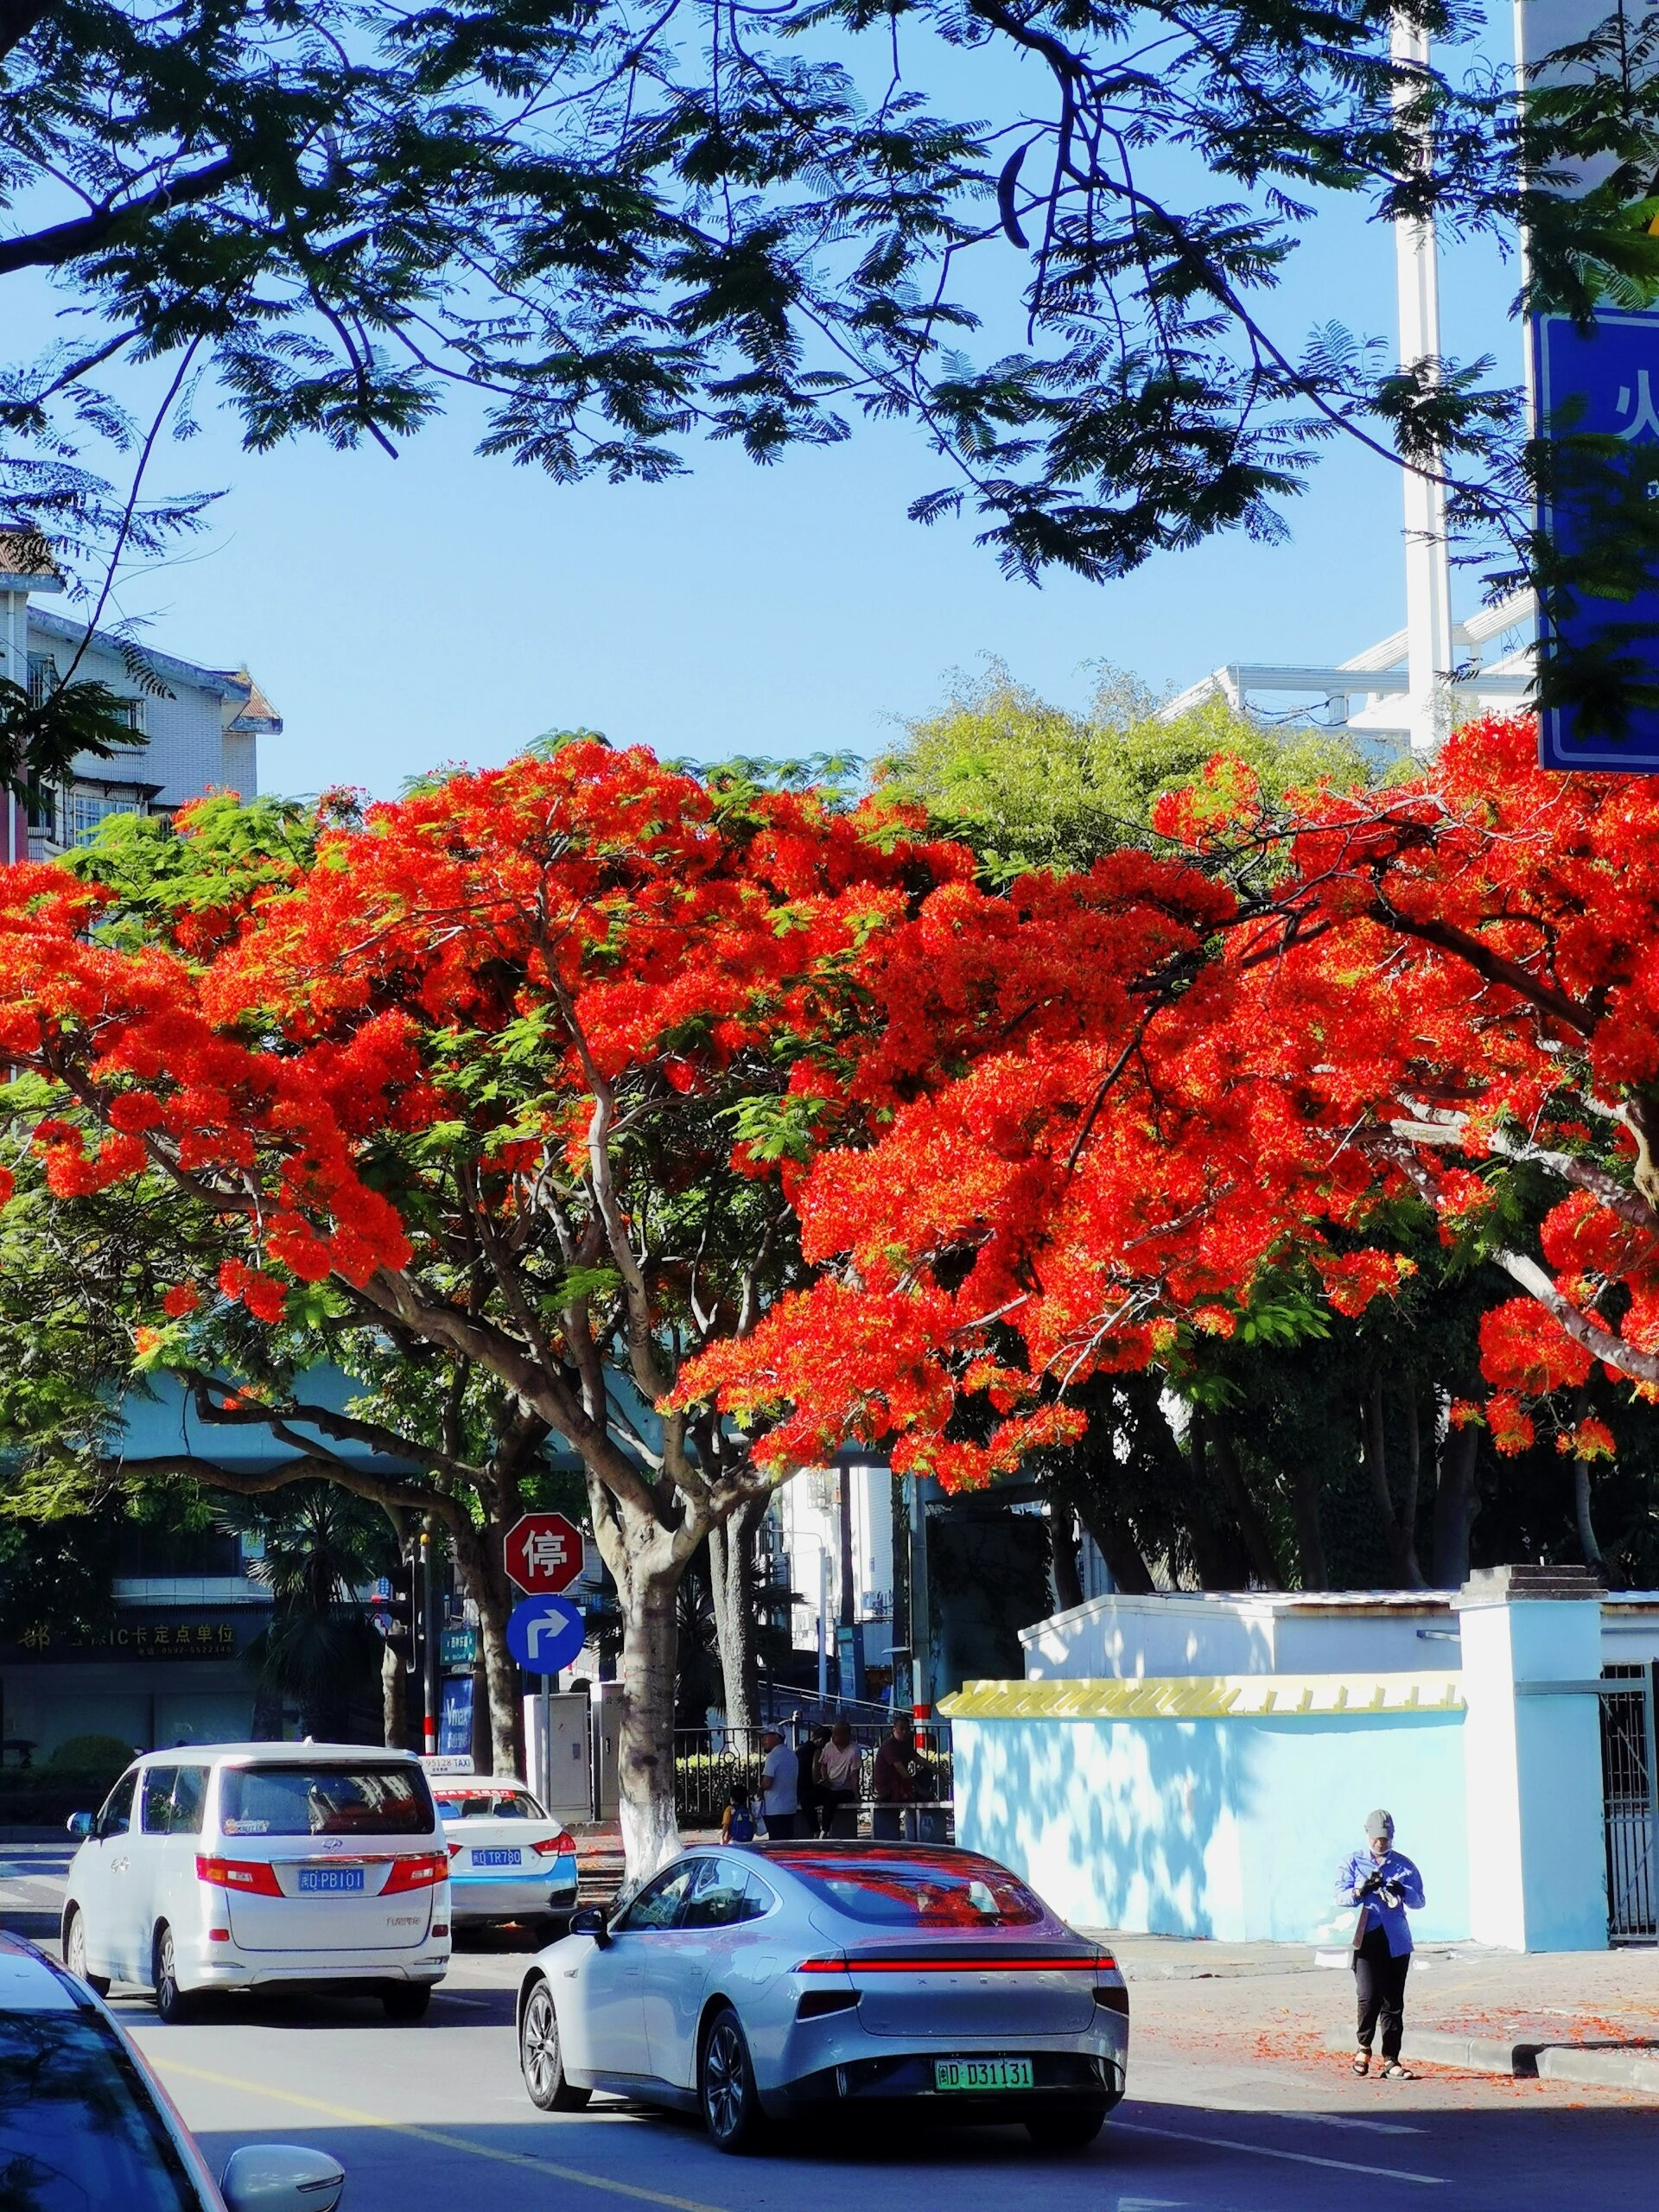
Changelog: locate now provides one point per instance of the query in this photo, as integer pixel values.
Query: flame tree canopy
(514, 1075)
(720, 1127)
(1439, 996)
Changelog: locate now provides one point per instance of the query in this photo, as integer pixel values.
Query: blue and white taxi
(508, 1859)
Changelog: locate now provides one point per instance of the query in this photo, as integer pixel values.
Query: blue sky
(441, 606)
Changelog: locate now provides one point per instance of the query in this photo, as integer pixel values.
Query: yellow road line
(445, 2141)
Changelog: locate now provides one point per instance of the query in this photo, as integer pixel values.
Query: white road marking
(1266, 2150)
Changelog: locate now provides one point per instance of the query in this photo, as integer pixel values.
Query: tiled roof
(256, 713)
(26, 553)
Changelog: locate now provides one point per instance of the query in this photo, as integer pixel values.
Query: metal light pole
(1429, 653)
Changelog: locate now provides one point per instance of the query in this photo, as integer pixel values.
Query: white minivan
(243, 1865)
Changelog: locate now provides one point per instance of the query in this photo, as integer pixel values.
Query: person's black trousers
(780, 1827)
(1380, 1984)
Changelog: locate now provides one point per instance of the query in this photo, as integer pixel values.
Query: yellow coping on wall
(1205, 1697)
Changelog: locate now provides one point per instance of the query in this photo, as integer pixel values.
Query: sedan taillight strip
(931, 1963)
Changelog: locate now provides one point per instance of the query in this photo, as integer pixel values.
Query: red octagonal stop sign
(544, 1553)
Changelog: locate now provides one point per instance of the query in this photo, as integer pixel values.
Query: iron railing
(1628, 1776)
(709, 1764)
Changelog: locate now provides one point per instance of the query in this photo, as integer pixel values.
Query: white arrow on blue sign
(544, 1634)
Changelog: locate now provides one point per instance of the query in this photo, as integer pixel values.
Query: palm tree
(322, 1546)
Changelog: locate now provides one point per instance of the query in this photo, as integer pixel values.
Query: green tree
(1028, 784)
(319, 1547)
(610, 236)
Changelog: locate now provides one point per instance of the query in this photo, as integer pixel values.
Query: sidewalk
(1585, 2018)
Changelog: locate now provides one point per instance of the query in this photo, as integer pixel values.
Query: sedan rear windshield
(356, 1800)
(915, 1891)
(78, 2130)
(488, 1804)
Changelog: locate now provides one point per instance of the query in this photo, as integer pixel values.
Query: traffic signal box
(403, 1607)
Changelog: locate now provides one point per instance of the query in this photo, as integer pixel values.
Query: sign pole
(547, 1741)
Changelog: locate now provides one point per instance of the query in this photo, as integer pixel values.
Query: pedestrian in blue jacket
(1385, 1885)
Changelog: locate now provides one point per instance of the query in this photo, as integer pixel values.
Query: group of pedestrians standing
(812, 1789)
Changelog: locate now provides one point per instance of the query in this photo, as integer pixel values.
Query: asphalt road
(1233, 2109)
(433, 2119)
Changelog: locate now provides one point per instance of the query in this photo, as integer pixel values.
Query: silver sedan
(759, 1981)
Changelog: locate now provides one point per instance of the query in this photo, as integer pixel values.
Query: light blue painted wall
(1227, 1828)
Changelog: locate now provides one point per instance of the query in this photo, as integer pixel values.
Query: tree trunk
(1402, 1549)
(1310, 1528)
(1124, 1563)
(1589, 1543)
(1456, 1502)
(481, 1572)
(731, 1575)
(1062, 1550)
(1258, 1544)
(394, 1706)
(848, 1596)
(644, 1754)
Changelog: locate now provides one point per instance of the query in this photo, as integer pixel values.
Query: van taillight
(418, 1873)
(253, 1877)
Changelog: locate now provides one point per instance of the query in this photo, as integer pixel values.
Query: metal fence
(1628, 1772)
(710, 1763)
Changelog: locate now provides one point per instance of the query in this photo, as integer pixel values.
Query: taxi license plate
(330, 1878)
(982, 2074)
(497, 1859)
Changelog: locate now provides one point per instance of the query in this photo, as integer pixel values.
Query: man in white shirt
(779, 1792)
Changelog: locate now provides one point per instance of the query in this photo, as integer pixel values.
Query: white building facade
(196, 728)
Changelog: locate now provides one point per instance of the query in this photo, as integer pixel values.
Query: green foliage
(612, 235)
(1028, 784)
(91, 1755)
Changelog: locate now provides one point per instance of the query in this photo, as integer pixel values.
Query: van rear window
(355, 1800)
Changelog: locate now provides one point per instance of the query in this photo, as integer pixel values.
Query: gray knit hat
(1379, 1823)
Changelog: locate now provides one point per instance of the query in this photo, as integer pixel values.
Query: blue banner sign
(1603, 382)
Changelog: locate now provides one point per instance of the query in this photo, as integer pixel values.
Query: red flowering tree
(505, 1078)
(1438, 995)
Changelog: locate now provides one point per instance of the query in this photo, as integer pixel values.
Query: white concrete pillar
(1532, 1758)
(1429, 655)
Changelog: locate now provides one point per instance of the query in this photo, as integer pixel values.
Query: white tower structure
(1429, 654)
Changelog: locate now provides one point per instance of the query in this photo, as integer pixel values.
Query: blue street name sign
(1606, 383)
(544, 1634)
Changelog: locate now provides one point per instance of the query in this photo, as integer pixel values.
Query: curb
(1606, 2066)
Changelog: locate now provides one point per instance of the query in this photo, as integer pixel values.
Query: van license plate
(330, 1878)
(982, 2074)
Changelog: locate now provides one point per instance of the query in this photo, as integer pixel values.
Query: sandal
(1363, 2061)
(1394, 2071)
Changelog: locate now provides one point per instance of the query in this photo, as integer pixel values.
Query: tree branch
(50, 249)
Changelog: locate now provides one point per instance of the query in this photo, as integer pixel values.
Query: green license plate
(982, 2074)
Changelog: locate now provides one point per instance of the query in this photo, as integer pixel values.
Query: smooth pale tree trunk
(394, 1703)
(731, 1577)
(651, 1833)
(844, 1500)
